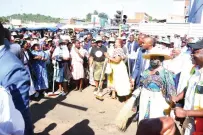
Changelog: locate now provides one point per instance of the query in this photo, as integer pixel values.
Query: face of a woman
(117, 44)
(99, 43)
(36, 48)
(155, 62)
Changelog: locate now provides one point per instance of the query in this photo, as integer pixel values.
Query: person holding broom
(156, 88)
(97, 61)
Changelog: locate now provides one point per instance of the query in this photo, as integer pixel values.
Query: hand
(39, 57)
(174, 99)
(106, 55)
(134, 109)
(132, 84)
(180, 112)
(76, 50)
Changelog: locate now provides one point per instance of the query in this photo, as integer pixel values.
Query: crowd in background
(160, 65)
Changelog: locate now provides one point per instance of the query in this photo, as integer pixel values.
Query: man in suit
(132, 47)
(141, 63)
(15, 78)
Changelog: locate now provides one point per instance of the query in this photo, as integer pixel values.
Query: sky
(79, 8)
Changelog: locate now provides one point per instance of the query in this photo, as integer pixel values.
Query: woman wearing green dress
(157, 87)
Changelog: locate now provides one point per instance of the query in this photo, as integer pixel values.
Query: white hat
(49, 39)
(158, 52)
(107, 35)
(26, 36)
(99, 38)
(165, 40)
(13, 34)
(34, 42)
(123, 38)
(112, 39)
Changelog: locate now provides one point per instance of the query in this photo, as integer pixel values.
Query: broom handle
(55, 68)
(128, 63)
(102, 73)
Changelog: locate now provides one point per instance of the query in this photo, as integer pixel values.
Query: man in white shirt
(132, 47)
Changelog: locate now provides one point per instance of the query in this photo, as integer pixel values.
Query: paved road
(77, 114)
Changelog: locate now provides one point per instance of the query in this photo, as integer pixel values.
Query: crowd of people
(163, 73)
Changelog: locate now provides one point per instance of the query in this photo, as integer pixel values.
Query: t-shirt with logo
(98, 53)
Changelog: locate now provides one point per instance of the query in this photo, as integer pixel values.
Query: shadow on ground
(81, 128)
(47, 129)
(39, 111)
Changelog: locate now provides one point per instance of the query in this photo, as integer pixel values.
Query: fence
(192, 30)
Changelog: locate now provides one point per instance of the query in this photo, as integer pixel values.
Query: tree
(3, 20)
(88, 17)
(150, 18)
(33, 17)
(103, 15)
(95, 12)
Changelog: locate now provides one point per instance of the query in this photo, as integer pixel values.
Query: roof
(133, 21)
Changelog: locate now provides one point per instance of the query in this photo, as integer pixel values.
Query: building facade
(142, 17)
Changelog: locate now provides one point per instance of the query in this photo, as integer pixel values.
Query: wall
(193, 30)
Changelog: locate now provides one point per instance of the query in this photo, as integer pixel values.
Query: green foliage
(4, 20)
(33, 18)
(101, 15)
(88, 17)
(96, 12)
(150, 18)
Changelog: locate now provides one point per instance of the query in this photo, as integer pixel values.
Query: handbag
(108, 69)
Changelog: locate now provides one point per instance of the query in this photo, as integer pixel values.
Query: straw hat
(34, 42)
(13, 34)
(123, 38)
(158, 52)
(165, 41)
(112, 39)
(49, 39)
(98, 39)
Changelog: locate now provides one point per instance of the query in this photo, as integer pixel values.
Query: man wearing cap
(193, 94)
(15, 78)
(89, 40)
(104, 42)
(97, 58)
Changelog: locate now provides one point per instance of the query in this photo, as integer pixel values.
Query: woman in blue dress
(39, 65)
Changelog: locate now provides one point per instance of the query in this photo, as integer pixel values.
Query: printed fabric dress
(41, 83)
(157, 89)
(61, 70)
(119, 79)
(77, 64)
(194, 101)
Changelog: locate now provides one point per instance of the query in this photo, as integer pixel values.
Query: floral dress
(162, 81)
(117, 79)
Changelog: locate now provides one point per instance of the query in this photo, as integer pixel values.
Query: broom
(126, 112)
(100, 97)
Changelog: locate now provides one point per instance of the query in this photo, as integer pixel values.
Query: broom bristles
(124, 114)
